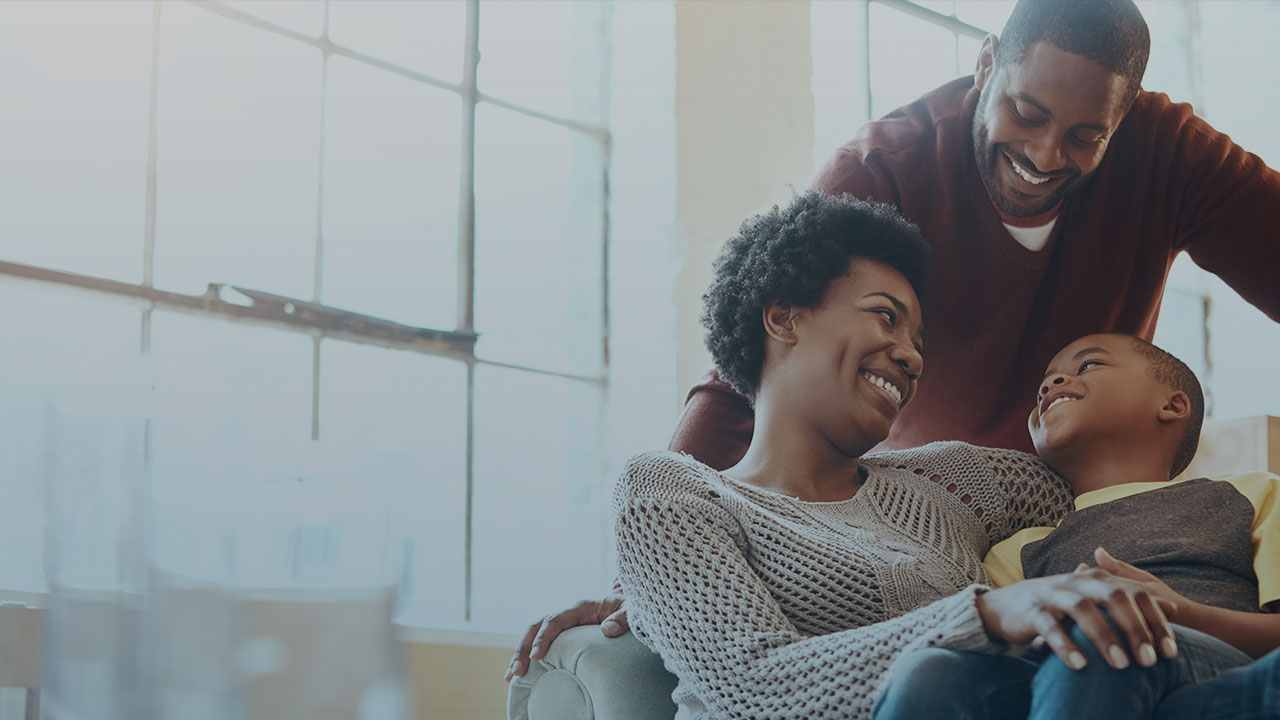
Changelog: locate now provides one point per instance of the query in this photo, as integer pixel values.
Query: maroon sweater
(996, 312)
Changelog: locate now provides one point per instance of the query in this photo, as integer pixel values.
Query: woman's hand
(609, 613)
(1046, 606)
(1172, 603)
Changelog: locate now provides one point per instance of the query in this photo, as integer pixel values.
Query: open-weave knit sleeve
(1033, 494)
(695, 599)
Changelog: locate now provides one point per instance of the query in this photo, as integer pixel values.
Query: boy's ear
(1176, 407)
(780, 323)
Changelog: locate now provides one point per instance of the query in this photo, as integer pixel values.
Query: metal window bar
(950, 22)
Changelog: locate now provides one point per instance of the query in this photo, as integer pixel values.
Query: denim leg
(1251, 692)
(959, 685)
(1101, 691)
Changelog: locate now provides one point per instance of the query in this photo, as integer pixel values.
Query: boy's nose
(1051, 382)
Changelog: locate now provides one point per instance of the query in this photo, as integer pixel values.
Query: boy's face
(1096, 388)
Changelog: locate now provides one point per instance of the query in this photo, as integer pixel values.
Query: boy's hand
(1170, 601)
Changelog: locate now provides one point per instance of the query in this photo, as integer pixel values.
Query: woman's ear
(780, 323)
(986, 61)
(1176, 407)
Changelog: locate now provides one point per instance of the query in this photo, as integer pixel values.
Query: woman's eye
(890, 316)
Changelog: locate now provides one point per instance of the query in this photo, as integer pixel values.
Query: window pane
(74, 98)
(48, 332)
(238, 156)
(539, 243)
(230, 392)
(406, 414)
(539, 493)
(544, 55)
(990, 15)
(423, 36)
(304, 16)
(967, 54)
(909, 57)
(391, 196)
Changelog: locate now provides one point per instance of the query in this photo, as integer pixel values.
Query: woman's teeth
(1022, 173)
(889, 388)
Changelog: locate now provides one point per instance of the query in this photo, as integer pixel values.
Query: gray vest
(1193, 535)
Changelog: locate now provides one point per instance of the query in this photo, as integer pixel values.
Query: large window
(373, 227)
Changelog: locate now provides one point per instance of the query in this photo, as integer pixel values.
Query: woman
(786, 586)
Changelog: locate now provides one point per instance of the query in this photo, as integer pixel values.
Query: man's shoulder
(917, 124)
(907, 141)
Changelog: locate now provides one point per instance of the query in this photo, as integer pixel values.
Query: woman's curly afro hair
(789, 256)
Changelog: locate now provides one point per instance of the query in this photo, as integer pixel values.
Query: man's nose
(1045, 152)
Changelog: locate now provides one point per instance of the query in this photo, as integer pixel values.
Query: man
(1055, 195)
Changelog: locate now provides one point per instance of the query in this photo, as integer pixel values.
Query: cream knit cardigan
(766, 606)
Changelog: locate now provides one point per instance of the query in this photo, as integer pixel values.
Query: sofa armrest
(587, 676)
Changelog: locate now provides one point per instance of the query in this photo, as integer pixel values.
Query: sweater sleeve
(1033, 494)
(695, 599)
(716, 425)
(1229, 211)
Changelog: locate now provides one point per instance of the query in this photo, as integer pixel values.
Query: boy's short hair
(790, 256)
(1173, 372)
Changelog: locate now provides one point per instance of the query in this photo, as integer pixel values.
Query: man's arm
(716, 425)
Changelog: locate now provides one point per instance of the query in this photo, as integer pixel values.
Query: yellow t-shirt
(1004, 563)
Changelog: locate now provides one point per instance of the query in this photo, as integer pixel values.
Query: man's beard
(986, 156)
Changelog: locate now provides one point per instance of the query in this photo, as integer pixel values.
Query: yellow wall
(458, 683)
(744, 133)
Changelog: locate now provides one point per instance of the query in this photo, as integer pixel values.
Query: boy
(1119, 418)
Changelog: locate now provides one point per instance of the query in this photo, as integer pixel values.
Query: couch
(587, 676)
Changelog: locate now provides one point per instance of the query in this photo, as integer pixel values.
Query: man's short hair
(1111, 33)
(790, 256)
(1174, 373)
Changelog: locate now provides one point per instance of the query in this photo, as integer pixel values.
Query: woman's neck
(788, 455)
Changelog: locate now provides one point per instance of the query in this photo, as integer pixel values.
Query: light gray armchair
(587, 676)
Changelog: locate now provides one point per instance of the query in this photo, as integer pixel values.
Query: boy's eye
(1086, 365)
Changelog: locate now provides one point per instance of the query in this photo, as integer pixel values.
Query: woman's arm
(696, 599)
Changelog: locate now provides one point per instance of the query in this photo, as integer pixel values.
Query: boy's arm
(1255, 634)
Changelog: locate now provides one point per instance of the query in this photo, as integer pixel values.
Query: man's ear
(986, 61)
(1176, 407)
(780, 323)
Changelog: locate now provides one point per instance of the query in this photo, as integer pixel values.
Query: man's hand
(609, 613)
(1046, 606)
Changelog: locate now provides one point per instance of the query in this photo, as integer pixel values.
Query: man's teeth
(1062, 399)
(886, 386)
(1022, 173)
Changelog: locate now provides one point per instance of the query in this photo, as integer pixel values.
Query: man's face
(1042, 125)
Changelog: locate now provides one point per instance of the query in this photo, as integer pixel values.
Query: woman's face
(856, 358)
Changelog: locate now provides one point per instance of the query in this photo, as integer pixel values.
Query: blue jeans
(1208, 679)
